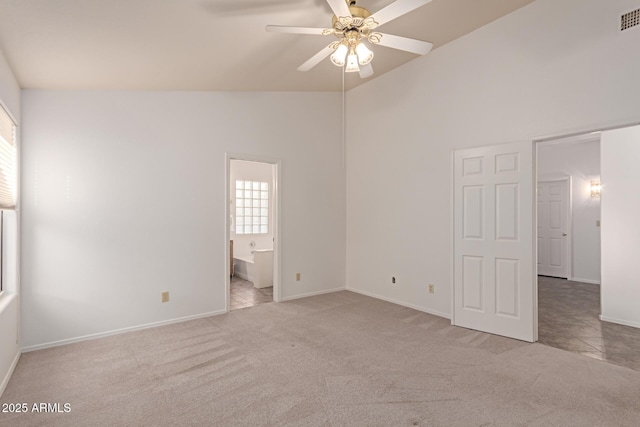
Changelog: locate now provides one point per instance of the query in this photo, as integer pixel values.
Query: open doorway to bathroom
(252, 225)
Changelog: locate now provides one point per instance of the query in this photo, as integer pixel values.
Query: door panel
(472, 283)
(473, 209)
(507, 212)
(507, 287)
(493, 240)
(555, 252)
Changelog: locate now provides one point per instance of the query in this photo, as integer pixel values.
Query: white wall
(581, 161)
(124, 198)
(549, 68)
(251, 171)
(9, 302)
(620, 289)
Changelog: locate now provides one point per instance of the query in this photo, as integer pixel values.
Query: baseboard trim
(402, 303)
(243, 276)
(592, 282)
(7, 377)
(619, 322)
(311, 294)
(120, 331)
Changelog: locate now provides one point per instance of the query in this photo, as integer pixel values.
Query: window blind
(7, 161)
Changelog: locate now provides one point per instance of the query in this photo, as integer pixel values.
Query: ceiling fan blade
(296, 30)
(396, 10)
(404, 43)
(317, 58)
(366, 71)
(340, 8)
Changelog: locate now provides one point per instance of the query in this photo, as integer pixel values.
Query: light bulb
(364, 54)
(352, 63)
(340, 55)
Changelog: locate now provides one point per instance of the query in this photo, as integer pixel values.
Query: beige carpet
(340, 359)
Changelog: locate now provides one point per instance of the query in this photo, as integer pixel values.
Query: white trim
(619, 322)
(534, 239)
(404, 304)
(590, 281)
(452, 233)
(11, 116)
(578, 139)
(227, 232)
(5, 299)
(311, 294)
(552, 176)
(120, 331)
(7, 377)
(587, 130)
(241, 275)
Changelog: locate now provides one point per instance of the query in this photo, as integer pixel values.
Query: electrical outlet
(165, 297)
(297, 277)
(393, 280)
(432, 288)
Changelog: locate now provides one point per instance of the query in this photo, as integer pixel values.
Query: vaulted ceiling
(205, 44)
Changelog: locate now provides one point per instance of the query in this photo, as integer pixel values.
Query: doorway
(252, 231)
(570, 309)
(487, 212)
(554, 223)
(568, 214)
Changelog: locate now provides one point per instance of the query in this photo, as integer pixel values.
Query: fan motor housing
(356, 12)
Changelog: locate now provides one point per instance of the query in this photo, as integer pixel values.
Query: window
(252, 207)
(1, 251)
(7, 161)
(7, 177)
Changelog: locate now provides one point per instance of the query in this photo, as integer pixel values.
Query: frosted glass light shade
(340, 55)
(352, 63)
(364, 54)
(595, 188)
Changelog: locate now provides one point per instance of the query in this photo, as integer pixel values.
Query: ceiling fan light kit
(339, 57)
(352, 25)
(365, 55)
(352, 63)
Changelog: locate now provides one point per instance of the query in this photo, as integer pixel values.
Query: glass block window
(252, 207)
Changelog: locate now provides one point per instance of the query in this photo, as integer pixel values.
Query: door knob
(564, 234)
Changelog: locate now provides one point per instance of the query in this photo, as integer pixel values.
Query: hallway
(568, 319)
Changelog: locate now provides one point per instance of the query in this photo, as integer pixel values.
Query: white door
(553, 223)
(493, 240)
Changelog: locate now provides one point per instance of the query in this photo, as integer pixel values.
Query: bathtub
(256, 268)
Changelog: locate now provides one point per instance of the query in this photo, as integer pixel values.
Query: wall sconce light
(595, 188)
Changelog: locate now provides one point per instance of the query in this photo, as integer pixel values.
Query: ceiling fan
(352, 25)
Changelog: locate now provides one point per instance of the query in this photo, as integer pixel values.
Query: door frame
(569, 217)
(277, 224)
(576, 132)
(535, 140)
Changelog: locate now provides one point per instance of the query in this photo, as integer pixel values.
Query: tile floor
(243, 294)
(568, 319)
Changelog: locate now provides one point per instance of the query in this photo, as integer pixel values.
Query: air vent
(629, 20)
